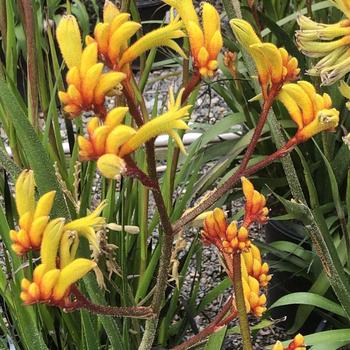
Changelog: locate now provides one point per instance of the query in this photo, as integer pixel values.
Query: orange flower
(227, 238)
(255, 209)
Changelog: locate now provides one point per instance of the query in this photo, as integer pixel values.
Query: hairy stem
(240, 302)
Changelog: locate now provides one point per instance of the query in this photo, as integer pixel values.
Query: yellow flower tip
(344, 89)
(111, 166)
(69, 40)
(325, 120)
(244, 33)
(110, 11)
(70, 274)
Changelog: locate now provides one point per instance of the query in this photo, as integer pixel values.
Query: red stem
(83, 303)
(211, 328)
(191, 85)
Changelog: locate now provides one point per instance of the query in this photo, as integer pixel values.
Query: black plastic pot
(151, 10)
(283, 282)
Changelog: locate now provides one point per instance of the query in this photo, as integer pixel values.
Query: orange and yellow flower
(255, 209)
(310, 111)
(296, 344)
(109, 141)
(255, 301)
(87, 82)
(274, 65)
(255, 267)
(51, 284)
(33, 217)
(206, 40)
(113, 34)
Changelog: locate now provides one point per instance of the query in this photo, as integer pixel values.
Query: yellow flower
(113, 34)
(330, 41)
(206, 41)
(296, 344)
(344, 89)
(274, 65)
(87, 225)
(310, 111)
(87, 84)
(254, 300)
(51, 284)
(255, 208)
(114, 140)
(255, 267)
(33, 217)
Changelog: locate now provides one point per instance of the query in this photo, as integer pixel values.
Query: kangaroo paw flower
(310, 111)
(33, 217)
(296, 344)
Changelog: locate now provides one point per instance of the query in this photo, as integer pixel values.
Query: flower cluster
(206, 41)
(109, 141)
(310, 111)
(296, 344)
(57, 240)
(87, 84)
(329, 41)
(274, 65)
(231, 240)
(113, 34)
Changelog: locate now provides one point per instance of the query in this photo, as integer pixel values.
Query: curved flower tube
(206, 41)
(310, 111)
(113, 34)
(88, 85)
(274, 65)
(110, 141)
(329, 41)
(33, 217)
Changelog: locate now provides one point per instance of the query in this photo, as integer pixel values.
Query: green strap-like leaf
(38, 159)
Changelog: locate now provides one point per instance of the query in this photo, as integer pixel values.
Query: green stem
(240, 302)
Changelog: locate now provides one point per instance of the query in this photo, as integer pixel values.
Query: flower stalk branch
(82, 302)
(218, 322)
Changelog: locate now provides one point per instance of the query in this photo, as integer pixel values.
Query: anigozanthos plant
(274, 65)
(87, 82)
(33, 217)
(310, 111)
(329, 41)
(52, 284)
(206, 40)
(110, 141)
(296, 344)
(113, 34)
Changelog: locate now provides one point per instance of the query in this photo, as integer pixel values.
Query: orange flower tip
(111, 166)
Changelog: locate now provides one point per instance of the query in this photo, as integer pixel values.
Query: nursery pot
(284, 282)
(151, 10)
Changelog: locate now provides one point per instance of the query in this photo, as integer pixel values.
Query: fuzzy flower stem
(211, 328)
(191, 85)
(83, 303)
(240, 303)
